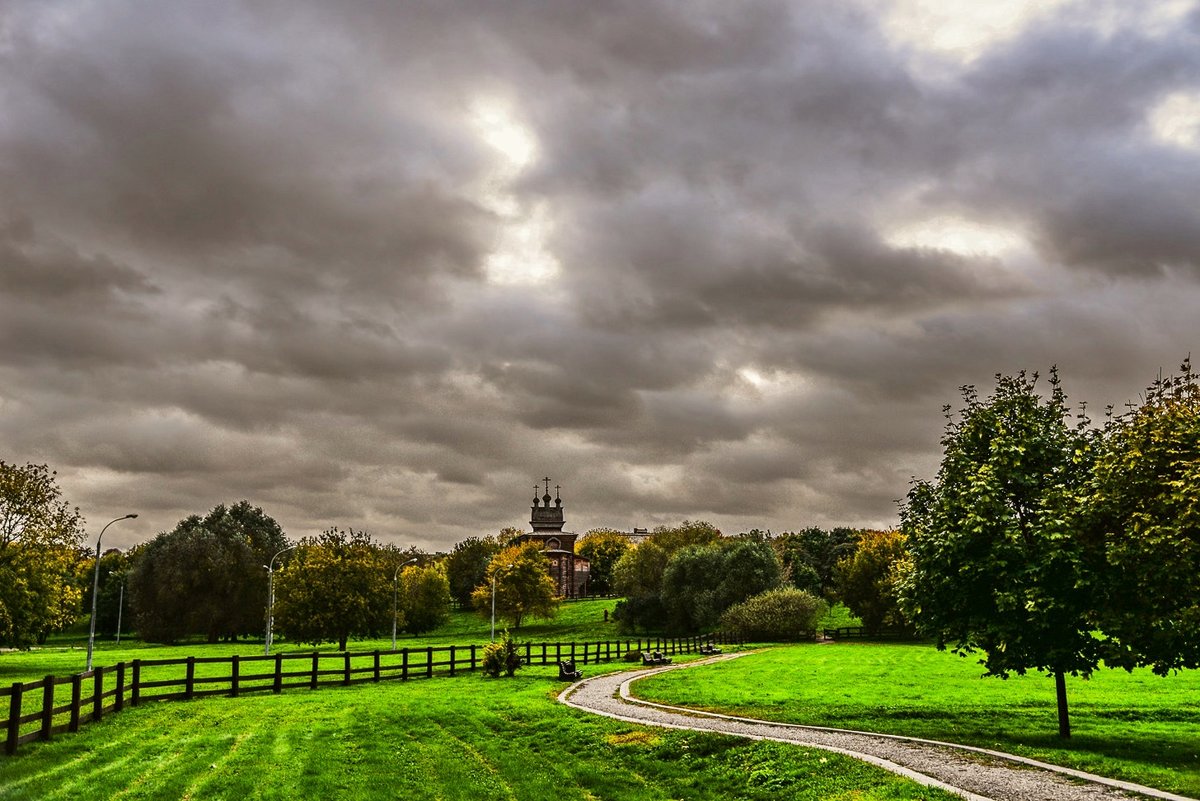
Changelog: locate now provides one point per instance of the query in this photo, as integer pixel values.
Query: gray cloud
(245, 252)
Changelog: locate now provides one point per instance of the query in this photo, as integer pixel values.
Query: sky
(385, 265)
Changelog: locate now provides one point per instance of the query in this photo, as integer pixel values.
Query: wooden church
(569, 570)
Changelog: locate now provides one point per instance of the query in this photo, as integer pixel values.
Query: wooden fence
(38, 710)
(859, 633)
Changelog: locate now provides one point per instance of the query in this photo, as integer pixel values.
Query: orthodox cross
(547, 480)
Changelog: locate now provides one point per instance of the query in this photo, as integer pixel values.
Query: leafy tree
(337, 585)
(867, 580)
(41, 538)
(783, 614)
(638, 574)
(524, 587)
(996, 564)
(602, 547)
(702, 581)
(1143, 522)
(424, 598)
(466, 566)
(112, 604)
(206, 575)
(810, 556)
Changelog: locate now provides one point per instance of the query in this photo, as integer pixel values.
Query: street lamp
(494, 574)
(96, 587)
(120, 608)
(271, 596)
(395, 591)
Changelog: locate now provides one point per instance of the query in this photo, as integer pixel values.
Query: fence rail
(860, 633)
(34, 713)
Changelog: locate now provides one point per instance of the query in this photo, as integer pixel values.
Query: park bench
(567, 671)
(655, 658)
(709, 649)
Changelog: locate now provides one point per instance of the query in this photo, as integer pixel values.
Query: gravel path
(973, 773)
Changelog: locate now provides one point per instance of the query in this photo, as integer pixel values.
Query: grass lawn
(460, 738)
(1137, 727)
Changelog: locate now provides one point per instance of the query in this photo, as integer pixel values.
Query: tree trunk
(342, 646)
(1064, 720)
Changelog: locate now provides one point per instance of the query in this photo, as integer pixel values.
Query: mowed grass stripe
(1133, 726)
(461, 738)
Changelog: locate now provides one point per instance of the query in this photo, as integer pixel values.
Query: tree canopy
(424, 597)
(1142, 522)
(996, 563)
(466, 566)
(335, 586)
(206, 575)
(524, 587)
(41, 548)
(602, 547)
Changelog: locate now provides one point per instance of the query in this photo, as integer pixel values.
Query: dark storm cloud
(245, 252)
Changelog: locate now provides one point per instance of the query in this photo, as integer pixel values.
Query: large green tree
(602, 547)
(638, 574)
(701, 581)
(206, 575)
(336, 585)
(996, 563)
(810, 556)
(867, 580)
(424, 597)
(1143, 524)
(523, 586)
(466, 566)
(41, 549)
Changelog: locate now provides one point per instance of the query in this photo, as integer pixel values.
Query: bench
(709, 649)
(567, 671)
(655, 658)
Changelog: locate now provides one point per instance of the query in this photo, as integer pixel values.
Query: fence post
(98, 693)
(345, 667)
(47, 707)
(404, 665)
(543, 653)
(135, 689)
(14, 716)
(473, 659)
(120, 704)
(376, 664)
(278, 686)
(233, 676)
(572, 652)
(190, 686)
(76, 694)
(429, 662)
(558, 652)
(451, 660)
(316, 666)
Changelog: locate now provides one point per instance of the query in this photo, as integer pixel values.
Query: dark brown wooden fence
(859, 633)
(39, 710)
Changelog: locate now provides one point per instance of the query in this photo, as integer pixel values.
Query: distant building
(570, 571)
(637, 536)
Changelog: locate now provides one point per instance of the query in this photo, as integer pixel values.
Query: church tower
(569, 571)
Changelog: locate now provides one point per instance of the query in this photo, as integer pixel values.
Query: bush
(501, 656)
(783, 614)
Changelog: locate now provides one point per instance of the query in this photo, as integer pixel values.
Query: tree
(638, 574)
(866, 581)
(602, 547)
(524, 587)
(701, 581)
(41, 548)
(424, 598)
(996, 564)
(112, 604)
(1143, 524)
(337, 585)
(466, 566)
(810, 557)
(206, 575)
(782, 614)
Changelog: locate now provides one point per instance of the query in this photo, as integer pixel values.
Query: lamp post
(271, 596)
(496, 573)
(395, 592)
(120, 608)
(96, 587)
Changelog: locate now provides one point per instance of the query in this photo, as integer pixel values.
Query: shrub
(781, 614)
(501, 656)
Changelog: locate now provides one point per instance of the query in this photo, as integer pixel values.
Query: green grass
(1138, 727)
(460, 738)
(65, 654)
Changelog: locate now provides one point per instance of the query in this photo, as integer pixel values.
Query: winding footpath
(972, 773)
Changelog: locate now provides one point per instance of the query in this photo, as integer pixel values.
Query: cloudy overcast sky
(385, 264)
